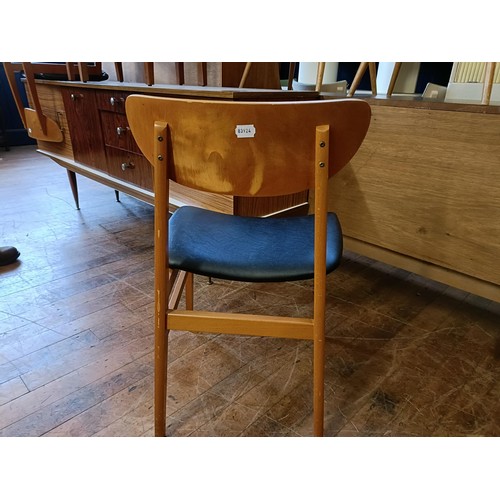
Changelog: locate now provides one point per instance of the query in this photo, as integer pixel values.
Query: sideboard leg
(74, 187)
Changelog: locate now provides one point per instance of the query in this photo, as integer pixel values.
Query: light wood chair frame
(169, 284)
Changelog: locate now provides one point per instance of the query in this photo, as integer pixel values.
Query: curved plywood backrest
(247, 148)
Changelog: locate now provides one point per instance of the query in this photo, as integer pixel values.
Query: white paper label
(243, 131)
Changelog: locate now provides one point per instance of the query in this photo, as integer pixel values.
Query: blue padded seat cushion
(248, 248)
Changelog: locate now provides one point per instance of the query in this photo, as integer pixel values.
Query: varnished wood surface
(190, 91)
(273, 156)
(405, 356)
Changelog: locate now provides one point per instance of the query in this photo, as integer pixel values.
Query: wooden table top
(194, 91)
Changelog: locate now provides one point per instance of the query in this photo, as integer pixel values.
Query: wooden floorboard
(405, 356)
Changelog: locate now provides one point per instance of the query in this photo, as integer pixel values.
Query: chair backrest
(247, 148)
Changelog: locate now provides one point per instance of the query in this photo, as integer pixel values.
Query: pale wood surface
(405, 356)
(248, 324)
(45, 130)
(426, 184)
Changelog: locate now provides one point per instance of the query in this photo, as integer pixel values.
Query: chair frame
(169, 284)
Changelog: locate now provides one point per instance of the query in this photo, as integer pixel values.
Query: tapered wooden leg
(319, 386)
(246, 71)
(394, 77)
(189, 291)
(320, 231)
(177, 282)
(74, 187)
(160, 384)
(372, 68)
(488, 82)
(357, 78)
(291, 73)
(162, 277)
(320, 75)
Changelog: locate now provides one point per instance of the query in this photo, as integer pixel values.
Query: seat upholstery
(248, 248)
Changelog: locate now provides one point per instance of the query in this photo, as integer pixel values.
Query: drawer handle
(74, 97)
(126, 165)
(121, 130)
(115, 100)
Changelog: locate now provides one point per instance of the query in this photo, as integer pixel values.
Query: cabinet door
(84, 127)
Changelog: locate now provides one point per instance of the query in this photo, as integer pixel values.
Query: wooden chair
(243, 149)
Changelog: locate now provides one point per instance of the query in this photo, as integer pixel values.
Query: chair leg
(357, 78)
(160, 383)
(394, 77)
(372, 68)
(189, 291)
(319, 386)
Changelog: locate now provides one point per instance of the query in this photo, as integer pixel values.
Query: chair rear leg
(319, 386)
(160, 382)
(189, 288)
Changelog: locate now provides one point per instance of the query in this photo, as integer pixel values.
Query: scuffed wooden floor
(405, 356)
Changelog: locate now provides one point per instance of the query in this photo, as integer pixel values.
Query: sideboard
(97, 142)
(423, 192)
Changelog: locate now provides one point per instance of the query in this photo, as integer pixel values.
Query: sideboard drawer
(112, 101)
(130, 167)
(117, 133)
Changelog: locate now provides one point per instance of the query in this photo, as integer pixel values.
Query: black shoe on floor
(8, 255)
